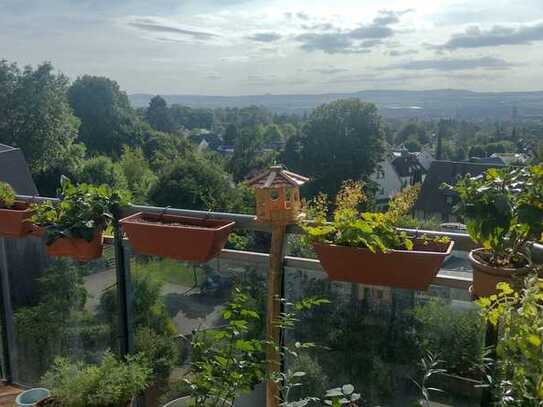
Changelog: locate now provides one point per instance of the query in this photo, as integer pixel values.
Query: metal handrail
(249, 222)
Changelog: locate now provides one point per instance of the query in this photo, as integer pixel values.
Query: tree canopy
(341, 140)
(107, 119)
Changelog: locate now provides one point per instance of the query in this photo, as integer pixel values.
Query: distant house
(502, 159)
(14, 170)
(433, 201)
(425, 159)
(388, 182)
(409, 168)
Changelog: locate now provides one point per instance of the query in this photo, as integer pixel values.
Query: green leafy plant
(351, 227)
(438, 326)
(113, 382)
(226, 361)
(342, 396)
(83, 209)
(518, 375)
(7, 195)
(503, 211)
(429, 365)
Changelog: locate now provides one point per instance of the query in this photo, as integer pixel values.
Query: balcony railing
(372, 337)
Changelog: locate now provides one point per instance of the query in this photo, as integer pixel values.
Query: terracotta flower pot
(14, 222)
(414, 269)
(177, 237)
(486, 277)
(77, 248)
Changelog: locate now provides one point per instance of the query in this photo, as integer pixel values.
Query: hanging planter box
(413, 269)
(176, 237)
(14, 222)
(77, 248)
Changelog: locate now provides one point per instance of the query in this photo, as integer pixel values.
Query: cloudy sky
(235, 47)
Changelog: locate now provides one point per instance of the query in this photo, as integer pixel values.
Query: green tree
(248, 154)
(192, 182)
(35, 114)
(139, 176)
(341, 140)
(413, 131)
(158, 115)
(102, 170)
(477, 151)
(107, 119)
(231, 134)
(413, 145)
(273, 134)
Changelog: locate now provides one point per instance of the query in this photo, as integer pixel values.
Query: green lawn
(171, 271)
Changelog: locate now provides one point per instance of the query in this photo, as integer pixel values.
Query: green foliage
(160, 351)
(149, 307)
(196, 182)
(113, 382)
(107, 120)
(518, 379)
(102, 170)
(350, 227)
(248, 153)
(503, 210)
(226, 361)
(7, 195)
(340, 140)
(35, 115)
(139, 176)
(342, 396)
(430, 366)
(158, 115)
(82, 210)
(455, 335)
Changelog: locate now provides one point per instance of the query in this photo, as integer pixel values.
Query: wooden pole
(274, 292)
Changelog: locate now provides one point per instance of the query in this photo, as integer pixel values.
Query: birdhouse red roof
(275, 177)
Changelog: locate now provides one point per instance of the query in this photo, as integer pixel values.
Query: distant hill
(392, 103)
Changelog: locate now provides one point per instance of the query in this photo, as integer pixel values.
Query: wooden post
(274, 291)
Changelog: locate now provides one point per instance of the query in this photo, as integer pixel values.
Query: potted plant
(517, 371)
(114, 382)
(176, 237)
(367, 248)
(503, 213)
(73, 226)
(14, 214)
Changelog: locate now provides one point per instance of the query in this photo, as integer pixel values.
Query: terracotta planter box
(414, 269)
(78, 249)
(176, 237)
(485, 277)
(14, 222)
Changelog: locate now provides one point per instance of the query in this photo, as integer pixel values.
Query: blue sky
(232, 47)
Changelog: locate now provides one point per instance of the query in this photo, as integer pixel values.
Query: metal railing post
(124, 293)
(6, 316)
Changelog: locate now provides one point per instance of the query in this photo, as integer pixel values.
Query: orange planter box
(79, 249)
(177, 237)
(413, 269)
(14, 222)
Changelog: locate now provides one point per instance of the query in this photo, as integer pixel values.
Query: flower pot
(177, 237)
(77, 248)
(458, 385)
(14, 222)
(31, 397)
(413, 269)
(486, 277)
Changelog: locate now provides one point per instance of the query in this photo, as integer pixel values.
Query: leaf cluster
(519, 365)
(503, 210)
(113, 382)
(226, 362)
(7, 195)
(82, 210)
(352, 227)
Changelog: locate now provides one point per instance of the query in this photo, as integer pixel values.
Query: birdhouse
(278, 195)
